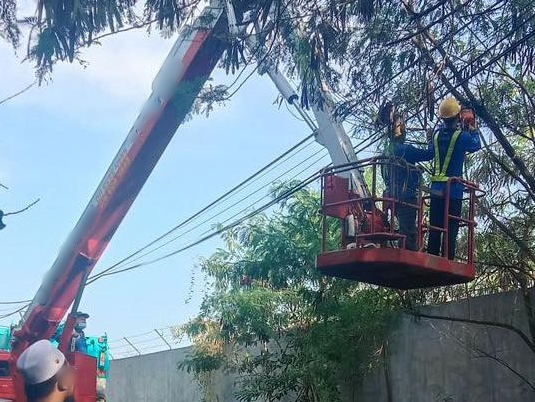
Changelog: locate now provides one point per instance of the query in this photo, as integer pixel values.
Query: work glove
(468, 120)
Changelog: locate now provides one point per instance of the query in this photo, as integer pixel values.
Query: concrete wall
(152, 377)
(155, 377)
(433, 360)
(427, 361)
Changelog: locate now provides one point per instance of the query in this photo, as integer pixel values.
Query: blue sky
(57, 142)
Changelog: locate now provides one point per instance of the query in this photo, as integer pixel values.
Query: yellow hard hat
(449, 108)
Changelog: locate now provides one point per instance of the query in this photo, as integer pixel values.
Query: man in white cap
(48, 377)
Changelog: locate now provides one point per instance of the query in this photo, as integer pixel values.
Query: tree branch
(130, 28)
(504, 364)
(476, 103)
(15, 95)
(23, 209)
(481, 353)
(516, 330)
(525, 248)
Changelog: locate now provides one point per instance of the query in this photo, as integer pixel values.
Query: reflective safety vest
(440, 173)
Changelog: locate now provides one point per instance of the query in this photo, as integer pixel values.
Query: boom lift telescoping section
(182, 76)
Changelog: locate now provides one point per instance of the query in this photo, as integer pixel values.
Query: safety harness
(442, 175)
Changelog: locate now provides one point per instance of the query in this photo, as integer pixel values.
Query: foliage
(9, 28)
(59, 29)
(273, 320)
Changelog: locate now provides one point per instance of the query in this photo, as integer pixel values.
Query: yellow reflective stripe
(449, 154)
(437, 156)
(442, 173)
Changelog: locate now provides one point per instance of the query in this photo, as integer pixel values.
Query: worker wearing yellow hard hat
(457, 135)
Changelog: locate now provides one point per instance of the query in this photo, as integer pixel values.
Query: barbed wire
(155, 340)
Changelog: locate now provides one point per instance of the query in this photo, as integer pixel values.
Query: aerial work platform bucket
(376, 252)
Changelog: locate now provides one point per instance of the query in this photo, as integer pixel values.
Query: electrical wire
(233, 205)
(15, 302)
(189, 220)
(251, 205)
(206, 208)
(264, 207)
(17, 311)
(112, 271)
(362, 145)
(215, 215)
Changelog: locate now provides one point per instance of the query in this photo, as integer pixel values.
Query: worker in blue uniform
(402, 181)
(450, 144)
(78, 336)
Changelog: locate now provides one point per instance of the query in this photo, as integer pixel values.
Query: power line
(15, 302)
(360, 145)
(111, 271)
(264, 207)
(19, 310)
(231, 206)
(242, 184)
(20, 92)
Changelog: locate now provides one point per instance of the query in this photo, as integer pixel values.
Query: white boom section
(327, 132)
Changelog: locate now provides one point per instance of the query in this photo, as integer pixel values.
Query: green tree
(275, 321)
(59, 30)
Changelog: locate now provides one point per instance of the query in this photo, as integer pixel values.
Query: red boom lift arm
(181, 78)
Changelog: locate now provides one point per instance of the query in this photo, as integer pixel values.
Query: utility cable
(360, 145)
(111, 271)
(233, 216)
(219, 199)
(19, 310)
(15, 302)
(277, 199)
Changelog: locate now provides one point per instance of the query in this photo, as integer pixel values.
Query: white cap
(40, 362)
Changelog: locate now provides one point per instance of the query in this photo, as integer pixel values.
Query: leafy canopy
(274, 321)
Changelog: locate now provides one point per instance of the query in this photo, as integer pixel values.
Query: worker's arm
(413, 154)
(471, 141)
